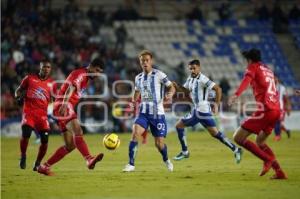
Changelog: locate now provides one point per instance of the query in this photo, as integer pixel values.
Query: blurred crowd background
(71, 33)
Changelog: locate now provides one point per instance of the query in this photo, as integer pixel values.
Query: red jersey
(261, 79)
(38, 94)
(79, 79)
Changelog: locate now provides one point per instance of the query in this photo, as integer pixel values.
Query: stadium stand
(294, 27)
(217, 43)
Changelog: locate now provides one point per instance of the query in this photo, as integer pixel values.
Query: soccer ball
(111, 141)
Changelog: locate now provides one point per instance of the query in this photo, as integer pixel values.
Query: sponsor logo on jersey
(39, 93)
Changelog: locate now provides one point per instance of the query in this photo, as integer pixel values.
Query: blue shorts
(195, 117)
(157, 123)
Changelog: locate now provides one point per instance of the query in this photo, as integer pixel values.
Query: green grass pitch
(210, 172)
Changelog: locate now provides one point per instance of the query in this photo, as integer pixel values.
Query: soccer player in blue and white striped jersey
(199, 86)
(150, 85)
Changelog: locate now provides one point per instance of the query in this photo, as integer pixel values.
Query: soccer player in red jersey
(64, 105)
(36, 90)
(262, 122)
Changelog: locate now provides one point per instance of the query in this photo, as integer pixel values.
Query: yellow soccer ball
(111, 141)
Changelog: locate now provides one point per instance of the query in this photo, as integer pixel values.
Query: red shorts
(38, 121)
(63, 120)
(262, 121)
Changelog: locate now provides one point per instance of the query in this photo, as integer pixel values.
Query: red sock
(276, 165)
(57, 156)
(42, 151)
(269, 151)
(23, 145)
(82, 146)
(253, 148)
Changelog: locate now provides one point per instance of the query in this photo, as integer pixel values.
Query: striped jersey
(151, 86)
(200, 88)
(282, 92)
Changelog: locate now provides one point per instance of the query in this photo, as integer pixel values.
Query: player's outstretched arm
(180, 88)
(297, 92)
(171, 91)
(243, 86)
(18, 92)
(63, 109)
(218, 90)
(135, 98)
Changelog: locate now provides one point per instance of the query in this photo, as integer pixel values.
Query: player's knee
(179, 125)
(136, 132)
(259, 142)
(44, 137)
(213, 133)
(26, 131)
(238, 139)
(78, 131)
(159, 144)
(134, 136)
(70, 147)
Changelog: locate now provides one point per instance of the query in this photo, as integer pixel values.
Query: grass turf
(210, 172)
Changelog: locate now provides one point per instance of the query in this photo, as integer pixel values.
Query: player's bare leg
(162, 148)
(214, 132)
(74, 127)
(240, 137)
(261, 142)
(144, 137)
(137, 131)
(183, 141)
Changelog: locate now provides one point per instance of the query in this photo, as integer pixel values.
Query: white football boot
(169, 165)
(128, 168)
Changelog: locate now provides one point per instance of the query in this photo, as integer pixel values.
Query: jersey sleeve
(136, 84)
(164, 79)
(250, 71)
(207, 82)
(25, 82)
(243, 86)
(187, 82)
(76, 79)
(248, 76)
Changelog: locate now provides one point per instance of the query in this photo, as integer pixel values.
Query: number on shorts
(161, 126)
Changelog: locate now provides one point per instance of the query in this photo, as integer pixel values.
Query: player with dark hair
(68, 97)
(262, 122)
(198, 86)
(150, 85)
(37, 91)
